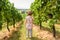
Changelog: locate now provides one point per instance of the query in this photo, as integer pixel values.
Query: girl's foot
(26, 37)
(30, 36)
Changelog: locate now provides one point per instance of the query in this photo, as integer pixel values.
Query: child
(29, 24)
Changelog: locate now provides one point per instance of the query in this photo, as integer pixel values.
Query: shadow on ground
(35, 38)
(15, 36)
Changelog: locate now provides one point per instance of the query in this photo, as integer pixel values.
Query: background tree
(42, 11)
(8, 14)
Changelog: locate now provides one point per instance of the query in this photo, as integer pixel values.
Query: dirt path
(42, 34)
(37, 33)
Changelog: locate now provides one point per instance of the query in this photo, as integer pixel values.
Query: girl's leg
(27, 33)
(30, 33)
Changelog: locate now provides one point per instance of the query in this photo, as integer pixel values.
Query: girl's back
(29, 20)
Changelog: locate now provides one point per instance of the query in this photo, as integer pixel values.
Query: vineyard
(46, 24)
(47, 11)
(8, 14)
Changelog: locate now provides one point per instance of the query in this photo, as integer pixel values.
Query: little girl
(29, 24)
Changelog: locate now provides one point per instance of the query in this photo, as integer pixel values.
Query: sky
(22, 4)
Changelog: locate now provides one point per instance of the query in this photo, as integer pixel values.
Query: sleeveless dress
(29, 20)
